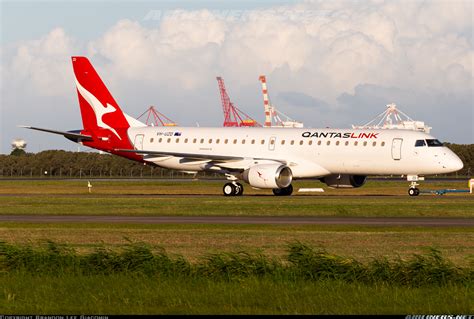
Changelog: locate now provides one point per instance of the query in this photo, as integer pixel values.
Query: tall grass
(301, 262)
(419, 270)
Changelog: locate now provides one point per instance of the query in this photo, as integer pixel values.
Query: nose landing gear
(413, 190)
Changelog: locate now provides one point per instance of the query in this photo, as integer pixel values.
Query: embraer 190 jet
(262, 157)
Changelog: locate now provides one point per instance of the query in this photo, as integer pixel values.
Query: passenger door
(138, 141)
(397, 148)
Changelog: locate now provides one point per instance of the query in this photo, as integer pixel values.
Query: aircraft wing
(72, 135)
(190, 156)
(233, 163)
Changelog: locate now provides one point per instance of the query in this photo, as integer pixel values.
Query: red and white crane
(233, 116)
(272, 115)
(155, 118)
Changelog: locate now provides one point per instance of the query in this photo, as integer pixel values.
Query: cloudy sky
(328, 63)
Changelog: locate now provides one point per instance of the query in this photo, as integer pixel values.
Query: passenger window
(310, 142)
(226, 141)
(194, 140)
(319, 142)
(292, 142)
(235, 141)
(243, 141)
(355, 143)
(177, 140)
(202, 140)
(328, 143)
(420, 143)
(262, 142)
(217, 141)
(282, 142)
(365, 143)
(151, 140)
(337, 143)
(168, 140)
(272, 142)
(253, 141)
(210, 141)
(160, 140)
(185, 140)
(301, 142)
(383, 144)
(374, 143)
(347, 143)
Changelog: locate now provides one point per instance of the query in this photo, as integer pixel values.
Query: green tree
(18, 152)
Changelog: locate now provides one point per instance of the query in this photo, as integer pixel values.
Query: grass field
(125, 294)
(52, 279)
(202, 187)
(194, 240)
(159, 199)
(120, 293)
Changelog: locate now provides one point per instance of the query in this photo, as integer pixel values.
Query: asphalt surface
(374, 221)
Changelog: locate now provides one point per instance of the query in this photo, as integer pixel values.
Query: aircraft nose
(455, 163)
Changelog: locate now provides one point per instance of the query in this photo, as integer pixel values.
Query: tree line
(60, 163)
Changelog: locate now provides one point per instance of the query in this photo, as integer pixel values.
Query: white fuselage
(308, 152)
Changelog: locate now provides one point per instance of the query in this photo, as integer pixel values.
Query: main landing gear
(237, 189)
(283, 191)
(233, 189)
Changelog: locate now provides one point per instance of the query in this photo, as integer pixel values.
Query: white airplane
(262, 157)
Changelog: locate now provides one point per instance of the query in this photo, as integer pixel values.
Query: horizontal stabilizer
(72, 135)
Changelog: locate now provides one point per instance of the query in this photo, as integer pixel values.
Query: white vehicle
(262, 157)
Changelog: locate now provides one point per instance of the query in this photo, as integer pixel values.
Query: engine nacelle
(268, 176)
(344, 181)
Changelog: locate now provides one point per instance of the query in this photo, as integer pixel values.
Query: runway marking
(375, 221)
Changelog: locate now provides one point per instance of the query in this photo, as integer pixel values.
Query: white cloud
(184, 30)
(43, 65)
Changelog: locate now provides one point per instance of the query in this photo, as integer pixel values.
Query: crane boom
(233, 116)
(155, 118)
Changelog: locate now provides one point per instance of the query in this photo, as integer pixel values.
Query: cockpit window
(420, 143)
(434, 143)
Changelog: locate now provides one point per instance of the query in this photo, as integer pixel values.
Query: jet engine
(344, 181)
(268, 176)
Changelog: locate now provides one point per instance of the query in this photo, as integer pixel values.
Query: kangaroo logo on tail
(99, 109)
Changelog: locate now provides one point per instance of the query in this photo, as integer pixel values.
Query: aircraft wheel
(283, 191)
(239, 189)
(288, 190)
(229, 189)
(413, 191)
(277, 191)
